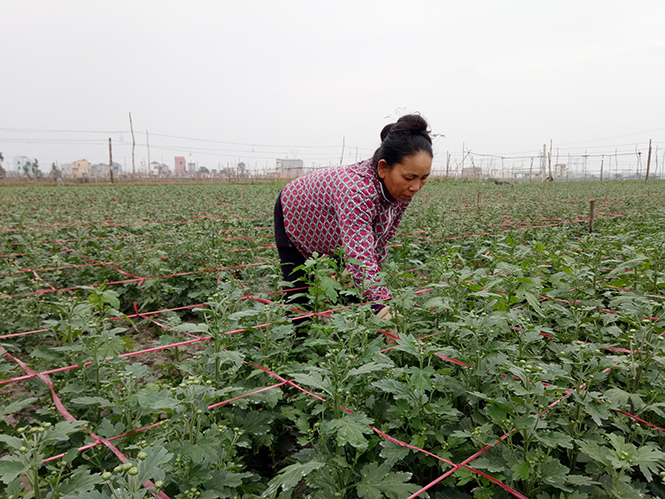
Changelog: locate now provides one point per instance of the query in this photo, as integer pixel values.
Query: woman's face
(405, 179)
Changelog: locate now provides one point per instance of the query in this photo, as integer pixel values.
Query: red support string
(67, 415)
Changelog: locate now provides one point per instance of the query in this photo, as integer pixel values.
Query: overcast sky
(256, 80)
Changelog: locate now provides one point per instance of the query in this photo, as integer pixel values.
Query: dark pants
(290, 258)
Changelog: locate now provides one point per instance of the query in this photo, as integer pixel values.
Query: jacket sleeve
(355, 212)
(381, 244)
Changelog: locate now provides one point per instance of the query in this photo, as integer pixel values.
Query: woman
(356, 207)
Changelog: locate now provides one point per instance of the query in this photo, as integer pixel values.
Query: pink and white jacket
(345, 206)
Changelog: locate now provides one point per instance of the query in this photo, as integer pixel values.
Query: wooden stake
(592, 209)
(648, 163)
(147, 141)
(480, 195)
(531, 170)
(447, 165)
(131, 127)
(110, 161)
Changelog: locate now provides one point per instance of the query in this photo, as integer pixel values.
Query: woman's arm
(355, 213)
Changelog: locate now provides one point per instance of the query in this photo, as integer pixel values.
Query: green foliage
(516, 339)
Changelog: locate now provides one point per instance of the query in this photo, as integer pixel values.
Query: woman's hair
(407, 137)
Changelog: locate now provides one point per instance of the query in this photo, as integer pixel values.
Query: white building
(20, 162)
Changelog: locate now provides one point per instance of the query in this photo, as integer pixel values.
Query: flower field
(146, 351)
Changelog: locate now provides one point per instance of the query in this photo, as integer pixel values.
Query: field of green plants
(146, 351)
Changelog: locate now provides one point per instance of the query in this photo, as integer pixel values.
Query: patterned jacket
(345, 206)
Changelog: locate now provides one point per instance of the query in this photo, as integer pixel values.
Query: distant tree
(203, 169)
(3, 173)
(26, 168)
(55, 172)
(34, 167)
(241, 168)
(2, 158)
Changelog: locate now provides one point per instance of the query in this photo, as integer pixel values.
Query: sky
(221, 82)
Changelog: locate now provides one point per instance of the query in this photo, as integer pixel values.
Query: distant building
(560, 170)
(20, 162)
(180, 165)
(66, 168)
(159, 169)
(80, 167)
(192, 167)
(472, 172)
(290, 167)
(102, 169)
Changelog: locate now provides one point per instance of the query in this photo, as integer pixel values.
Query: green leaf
(397, 388)
(11, 467)
(533, 301)
(70, 455)
(61, 431)
(555, 473)
(96, 401)
(256, 422)
(521, 471)
(554, 439)
(377, 482)
(313, 379)
(80, 482)
(244, 313)
(150, 468)
(393, 452)
(367, 368)
(13, 442)
(329, 287)
(350, 429)
(111, 297)
(580, 480)
(14, 406)
(290, 476)
(222, 479)
(190, 328)
(150, 400)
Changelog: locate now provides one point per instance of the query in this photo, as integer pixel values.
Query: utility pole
(602, 160)
(110, 161)
(341, 159)
(543, 163)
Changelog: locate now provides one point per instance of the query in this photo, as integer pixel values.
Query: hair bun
(386, 130)
(408, 136)
(410, 123)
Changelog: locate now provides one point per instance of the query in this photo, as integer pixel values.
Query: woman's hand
(386, 314)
